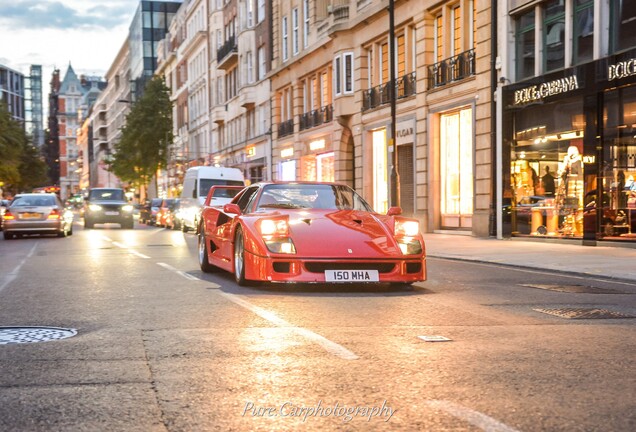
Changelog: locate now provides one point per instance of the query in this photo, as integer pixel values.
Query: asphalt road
(161, 346)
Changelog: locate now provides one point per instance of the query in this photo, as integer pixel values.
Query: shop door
(407, 181)
(456, 169)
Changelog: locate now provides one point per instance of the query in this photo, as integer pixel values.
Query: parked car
(175, 219)
(163, 213)
(309, 232)
(37, 213)
(148, 212)
(4, 205)
(108, 205)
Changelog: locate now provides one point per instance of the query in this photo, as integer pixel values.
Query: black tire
(128, 224)
(205, 265)
(184, 227)
(70, 231)
(88, 224)
(239, 258)
(8, 235)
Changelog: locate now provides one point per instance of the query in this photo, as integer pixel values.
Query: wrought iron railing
(405, 86)
(316, 117)
(452, 69)
(228, 47)
(286, 128)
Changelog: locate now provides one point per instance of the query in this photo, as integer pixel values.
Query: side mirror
(232, 209)
(394, 211)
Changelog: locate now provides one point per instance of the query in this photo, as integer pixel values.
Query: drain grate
(576, 289)
(584, 313)
(18, 335)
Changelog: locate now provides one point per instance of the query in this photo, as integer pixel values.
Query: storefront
(569, 153)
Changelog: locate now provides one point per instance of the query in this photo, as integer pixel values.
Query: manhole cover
(17, 335)
(576, 289)
(584, 313)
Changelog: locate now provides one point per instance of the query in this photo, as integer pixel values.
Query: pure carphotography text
(347, 412)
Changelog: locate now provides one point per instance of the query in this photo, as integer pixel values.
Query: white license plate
(111, 213)
(352, 276)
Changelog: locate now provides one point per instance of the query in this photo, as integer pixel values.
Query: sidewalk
(599, 261)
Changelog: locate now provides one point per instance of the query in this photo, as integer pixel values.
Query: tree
(12, 140)
(32, 169)
(146, 137)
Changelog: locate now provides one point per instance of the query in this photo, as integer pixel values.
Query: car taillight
(8, 216)
(55, 214)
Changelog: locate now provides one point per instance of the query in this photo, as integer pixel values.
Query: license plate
(111, 213)
(30, 216)
(352, 276)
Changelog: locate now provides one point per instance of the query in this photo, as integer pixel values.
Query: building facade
(568, 120)
(12, 84)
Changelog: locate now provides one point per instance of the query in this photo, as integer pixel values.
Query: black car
(108, 205)
(148, 212)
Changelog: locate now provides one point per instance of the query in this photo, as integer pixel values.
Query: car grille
(111, 207)
(320, 267)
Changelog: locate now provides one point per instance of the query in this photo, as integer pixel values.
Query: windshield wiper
(283, 205)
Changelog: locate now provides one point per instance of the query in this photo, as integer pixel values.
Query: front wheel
(239, 258)
(204, 263)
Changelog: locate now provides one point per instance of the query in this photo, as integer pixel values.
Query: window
(261, 10)
(554, 35)
(384, 62)
(249, 67)
(295, 31)
(583, 31)
(622, 25)
(250, 13)
(456, 41)
(337, 75)
(348, 72)
(525, 45)
(284, 42)
(305, 23)
(439, 39)
(262, 66)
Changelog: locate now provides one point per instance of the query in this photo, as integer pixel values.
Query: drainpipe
(494, 208)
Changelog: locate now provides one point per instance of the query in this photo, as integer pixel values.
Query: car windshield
(33, 200)
(156, 202)
(318, 196)
(206, 184)
(106, 195)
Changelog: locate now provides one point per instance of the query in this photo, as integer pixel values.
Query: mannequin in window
(573, 172)
(547, 180)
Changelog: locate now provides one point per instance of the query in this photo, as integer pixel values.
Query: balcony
(381, 95)
(452, 69)
(316, 117)
(285, 128)
(227, 55)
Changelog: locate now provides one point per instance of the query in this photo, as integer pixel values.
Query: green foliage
(146, 137)
(21, 166)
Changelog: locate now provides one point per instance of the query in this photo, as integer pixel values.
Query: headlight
(282, 246)
(410, 246)
(127, 208)
(407, 228)
(95, 207)
(274, 227)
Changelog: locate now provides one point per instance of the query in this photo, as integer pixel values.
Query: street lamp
(395, 176)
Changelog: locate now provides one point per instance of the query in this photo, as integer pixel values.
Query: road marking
(179, 272)
(475, 418)
(140, 255)
(119, 245)
(330, 346)
(10, 277)
(107, 238)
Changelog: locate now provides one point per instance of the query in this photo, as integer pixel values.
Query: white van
(196, 184)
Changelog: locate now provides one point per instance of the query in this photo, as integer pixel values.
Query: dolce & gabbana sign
(621, 70)
(551, 88)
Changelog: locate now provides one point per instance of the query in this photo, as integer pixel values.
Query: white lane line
(330, 346)
(10, 277)
(140, 255)
(475, 418)
(107, 238)
(179, 272)
(119, 245)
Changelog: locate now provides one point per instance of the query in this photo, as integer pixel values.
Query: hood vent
(307, 221)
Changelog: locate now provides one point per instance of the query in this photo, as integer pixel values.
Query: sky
(53, 33)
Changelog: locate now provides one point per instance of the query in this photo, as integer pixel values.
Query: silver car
(37, 213)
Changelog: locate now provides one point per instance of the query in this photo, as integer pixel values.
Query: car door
(226, 223)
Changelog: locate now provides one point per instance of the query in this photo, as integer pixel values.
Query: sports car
(308, 232)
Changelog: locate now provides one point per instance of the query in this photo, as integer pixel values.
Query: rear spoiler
(223, 192)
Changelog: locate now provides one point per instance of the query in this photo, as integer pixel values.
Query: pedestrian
(548, 182)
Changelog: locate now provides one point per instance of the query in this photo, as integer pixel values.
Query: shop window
(380, 172)
(456, 153)
(318, 167)
(288, 170)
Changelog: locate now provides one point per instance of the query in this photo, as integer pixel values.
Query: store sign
(621, 70)
(404, 132)
(317, 145)
(287, 153)
(589, 159)
(552, 88)
(250, 151)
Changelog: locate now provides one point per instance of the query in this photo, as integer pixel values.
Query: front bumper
(309, 270)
